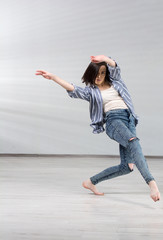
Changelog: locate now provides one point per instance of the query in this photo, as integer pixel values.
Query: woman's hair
(92, 71)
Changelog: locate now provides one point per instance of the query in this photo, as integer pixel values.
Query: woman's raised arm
(102, 58)
(114, 69)
(56, 79)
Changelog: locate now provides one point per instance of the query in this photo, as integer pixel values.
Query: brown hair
(92, 71)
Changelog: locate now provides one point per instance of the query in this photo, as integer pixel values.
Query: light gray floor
(42, 198)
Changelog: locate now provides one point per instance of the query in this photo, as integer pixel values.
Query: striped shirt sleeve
(115, 72)
(79, 92)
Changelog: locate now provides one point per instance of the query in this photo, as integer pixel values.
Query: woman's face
(100, 79)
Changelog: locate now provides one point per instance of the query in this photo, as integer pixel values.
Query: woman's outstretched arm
(56, 79)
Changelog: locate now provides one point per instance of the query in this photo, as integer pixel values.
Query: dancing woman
(110, 104)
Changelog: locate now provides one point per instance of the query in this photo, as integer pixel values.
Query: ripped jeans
(120, 126)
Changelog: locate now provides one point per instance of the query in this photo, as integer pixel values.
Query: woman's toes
(155, 196)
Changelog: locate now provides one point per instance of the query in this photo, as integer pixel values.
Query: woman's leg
(109, 173)
(118, 131)
(114, 171)
(124, 167)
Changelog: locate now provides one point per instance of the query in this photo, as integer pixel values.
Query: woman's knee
(125, 169)
(131, 166)
(132, 139)
(134, 145)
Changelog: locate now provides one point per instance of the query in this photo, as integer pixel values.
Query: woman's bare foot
(155, 194)
(88, 184)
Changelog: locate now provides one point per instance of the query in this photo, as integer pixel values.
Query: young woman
(110, 103)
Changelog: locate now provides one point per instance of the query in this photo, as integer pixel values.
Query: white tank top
(112, 100)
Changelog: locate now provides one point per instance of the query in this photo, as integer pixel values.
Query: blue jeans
(120, 126)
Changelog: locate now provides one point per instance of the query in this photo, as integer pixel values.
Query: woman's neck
(104, 86)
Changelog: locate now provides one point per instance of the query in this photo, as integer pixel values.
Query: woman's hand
(102, 58)
(56, 79)
(99, 58)
(45, 74)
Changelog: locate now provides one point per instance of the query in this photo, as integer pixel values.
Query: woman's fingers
(44, 74)
(94, 59)
(40, 72)
(98, 58)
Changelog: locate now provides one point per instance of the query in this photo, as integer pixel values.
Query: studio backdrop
(37, 115)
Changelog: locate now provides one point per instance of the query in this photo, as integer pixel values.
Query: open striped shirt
(93, 95)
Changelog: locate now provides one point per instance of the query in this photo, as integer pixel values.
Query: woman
(110, 103)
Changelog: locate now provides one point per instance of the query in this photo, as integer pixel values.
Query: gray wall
(36, 115)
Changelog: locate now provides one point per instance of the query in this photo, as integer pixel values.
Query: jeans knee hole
(131, 167)
(133, 139)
